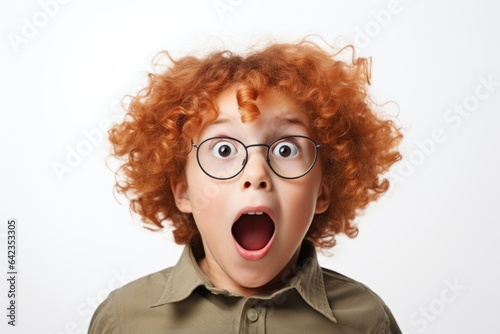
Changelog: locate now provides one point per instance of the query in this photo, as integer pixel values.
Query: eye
(285, 149)
(224, 149)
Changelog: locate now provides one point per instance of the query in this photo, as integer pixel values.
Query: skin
(217, 204)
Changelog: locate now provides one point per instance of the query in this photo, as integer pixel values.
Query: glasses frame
(268, 160)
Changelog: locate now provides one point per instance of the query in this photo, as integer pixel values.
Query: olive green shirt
(181, 299)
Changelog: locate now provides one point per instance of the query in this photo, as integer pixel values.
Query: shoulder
(351, 301)
(147, 289)
(341, 287)
(125, 303)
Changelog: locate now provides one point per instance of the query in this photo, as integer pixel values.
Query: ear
(323, 199)
(180, 191)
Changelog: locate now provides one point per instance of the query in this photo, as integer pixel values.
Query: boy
(256, 161)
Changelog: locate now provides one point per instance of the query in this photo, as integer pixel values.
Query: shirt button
(252, 315)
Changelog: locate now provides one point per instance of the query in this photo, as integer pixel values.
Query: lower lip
(254, 255)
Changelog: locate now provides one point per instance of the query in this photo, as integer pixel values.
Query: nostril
(248, 184)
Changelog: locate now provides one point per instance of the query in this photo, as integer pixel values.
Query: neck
(221, 281)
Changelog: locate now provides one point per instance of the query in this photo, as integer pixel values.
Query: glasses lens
(292, 157)
(221, 157)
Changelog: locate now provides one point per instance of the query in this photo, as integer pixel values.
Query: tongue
(253, 232)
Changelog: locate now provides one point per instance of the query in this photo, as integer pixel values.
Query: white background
(436, 227)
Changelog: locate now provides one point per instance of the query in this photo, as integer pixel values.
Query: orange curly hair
(357, 145)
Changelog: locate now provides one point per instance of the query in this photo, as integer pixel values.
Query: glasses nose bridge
(266, 155)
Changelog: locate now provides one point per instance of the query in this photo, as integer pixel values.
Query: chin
(253, 280)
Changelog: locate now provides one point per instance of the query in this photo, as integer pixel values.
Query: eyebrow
(292, 120)
(287, 120)
(278, 124)
(219, 121)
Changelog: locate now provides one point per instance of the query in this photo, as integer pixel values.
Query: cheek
(300, 201)
(201, 188)
(204, 194)
(209, 205)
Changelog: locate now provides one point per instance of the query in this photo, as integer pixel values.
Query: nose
(256, 174)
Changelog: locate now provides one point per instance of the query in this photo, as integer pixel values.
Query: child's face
(246, 253)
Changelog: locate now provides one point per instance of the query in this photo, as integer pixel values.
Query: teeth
(254, 213)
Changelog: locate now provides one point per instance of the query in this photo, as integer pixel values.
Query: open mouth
(253, 231)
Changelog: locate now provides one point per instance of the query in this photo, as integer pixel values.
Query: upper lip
(253, 209)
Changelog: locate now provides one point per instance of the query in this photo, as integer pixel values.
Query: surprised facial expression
(252, 224)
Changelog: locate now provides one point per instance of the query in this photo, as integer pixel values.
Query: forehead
(277, 112)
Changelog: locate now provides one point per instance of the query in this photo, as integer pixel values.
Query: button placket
(253, 317)
(252, 314)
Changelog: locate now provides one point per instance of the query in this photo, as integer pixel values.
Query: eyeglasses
(223, 158)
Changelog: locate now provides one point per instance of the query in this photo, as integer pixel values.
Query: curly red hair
(357, 145)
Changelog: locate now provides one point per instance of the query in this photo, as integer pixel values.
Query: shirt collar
(306, 278)
(186, 276)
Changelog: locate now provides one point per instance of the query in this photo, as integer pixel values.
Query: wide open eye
(285, 149)
(224, 149)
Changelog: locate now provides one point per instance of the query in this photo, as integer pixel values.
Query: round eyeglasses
(289, 157)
